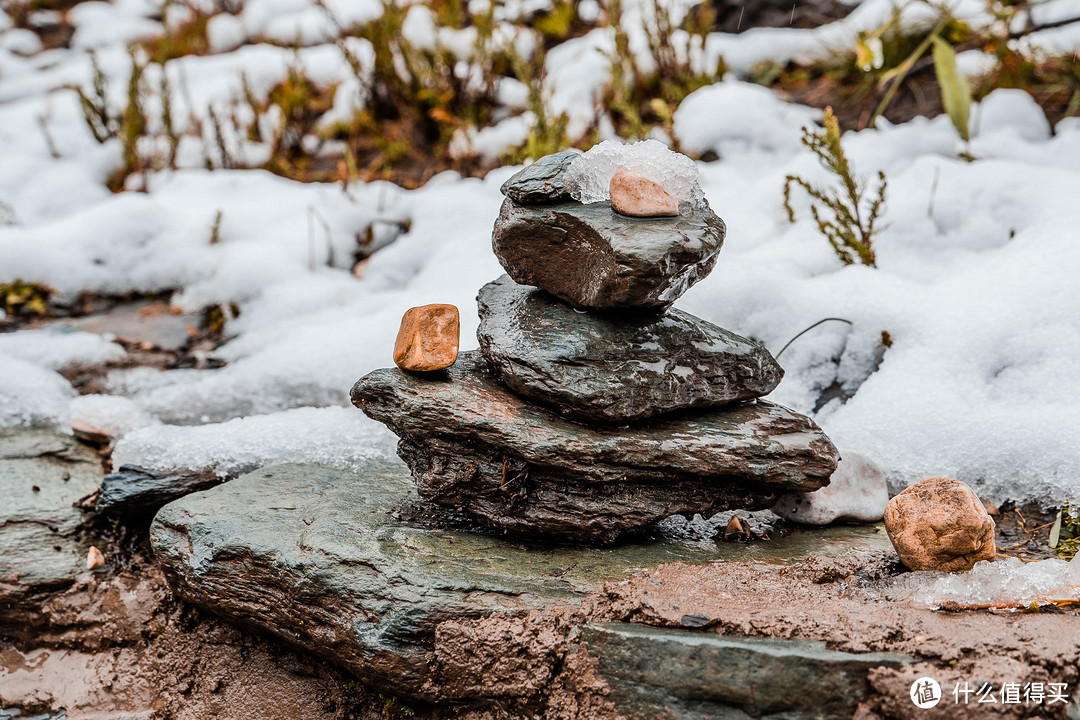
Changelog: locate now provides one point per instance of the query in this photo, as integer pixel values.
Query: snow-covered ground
(975, 284)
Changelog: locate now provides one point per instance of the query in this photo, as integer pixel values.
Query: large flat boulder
(615, 367)
(593, 257)
(475, 446)
(348, 566)
(42, 475)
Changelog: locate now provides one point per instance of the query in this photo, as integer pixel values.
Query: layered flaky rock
(615, 367)
(542, 182)
(515, 466)
(337, 563)
(593, 257)
(43, 475)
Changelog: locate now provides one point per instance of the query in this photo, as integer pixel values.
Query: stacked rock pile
(593, 409)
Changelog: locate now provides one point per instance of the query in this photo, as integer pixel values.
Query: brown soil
(119, 644)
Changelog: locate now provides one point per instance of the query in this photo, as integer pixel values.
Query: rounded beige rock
(939, 524)
(638, 196)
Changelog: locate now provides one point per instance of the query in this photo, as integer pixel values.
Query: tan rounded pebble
(939, 524)
(638, 196)
(428, 338)
(94, 559)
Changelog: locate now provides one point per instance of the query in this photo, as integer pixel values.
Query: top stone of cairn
(561, 230)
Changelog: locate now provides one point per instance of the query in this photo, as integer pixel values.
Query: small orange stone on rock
(94, 559)
(637, 196)
(939, 524)
(428, 338)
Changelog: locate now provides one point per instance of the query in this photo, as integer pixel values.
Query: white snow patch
(56, 350)
(32, 395)
(338, 437)
(111, 414)
(737, 117)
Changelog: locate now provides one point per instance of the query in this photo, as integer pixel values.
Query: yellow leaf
(955, 90)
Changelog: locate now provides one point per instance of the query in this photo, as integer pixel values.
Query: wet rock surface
(615, 367)
(515, 466)
(42, 474)
(139, 323)
(134, 490)
(655, 672)
(542, 182)
(334, 563)
(593, 257)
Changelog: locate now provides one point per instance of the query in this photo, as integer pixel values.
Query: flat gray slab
(656, 672)
(138, 323)
(338, 563)
(41, 475)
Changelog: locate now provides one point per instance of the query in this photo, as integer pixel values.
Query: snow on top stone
(1007, 580)
(590, 175)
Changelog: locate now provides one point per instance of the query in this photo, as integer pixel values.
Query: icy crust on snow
(56, 350)
(1007, 581)
(113, 415)
(336, 436)
(589, 176)
(32, 395)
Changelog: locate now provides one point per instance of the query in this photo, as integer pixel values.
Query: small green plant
(548, 134)
(1065, 534)
(640, 100)
(95, 106)
(185, 38)
(846, 216)
(130, 126)
(394, 709)
(25, 299)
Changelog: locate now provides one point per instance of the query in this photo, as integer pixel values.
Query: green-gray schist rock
(520, 468)
(593, 257)
(654, 672)
(42, 474)
(541, 182)
(615, 367)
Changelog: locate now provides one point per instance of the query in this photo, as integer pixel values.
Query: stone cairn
(593, 409)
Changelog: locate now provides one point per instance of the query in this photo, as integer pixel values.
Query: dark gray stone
(42, 475)
(518, 467)
(593, 257)
(541, 182)
(133, 490)
(615, 367)
(685, 674)
(340, 564)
